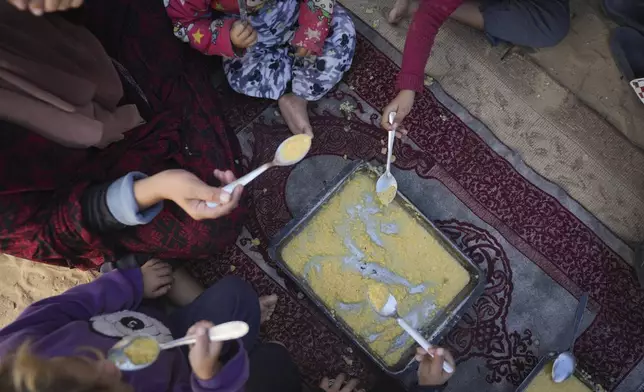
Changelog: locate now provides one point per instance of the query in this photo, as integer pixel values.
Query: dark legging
(272, 370)
(230, 299)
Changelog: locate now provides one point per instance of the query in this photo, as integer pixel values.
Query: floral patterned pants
(269, 68)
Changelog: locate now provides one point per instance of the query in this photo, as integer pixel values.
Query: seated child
(292, 51)
(59, 343)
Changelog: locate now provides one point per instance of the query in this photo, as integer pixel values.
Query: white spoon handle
(422, 342)
(391, 136)
(227, 331)
(244, 180)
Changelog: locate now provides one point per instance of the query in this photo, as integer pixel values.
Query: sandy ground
(23, 282)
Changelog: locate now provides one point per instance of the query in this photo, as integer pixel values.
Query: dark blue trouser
(533, 23)
(230, 299)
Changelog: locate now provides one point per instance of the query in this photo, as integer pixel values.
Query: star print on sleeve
(208, 35)
(314, 20)
(197, 37)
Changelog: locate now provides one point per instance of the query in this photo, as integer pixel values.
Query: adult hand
(302, 52)
(189, 192)
(337, 384)
(402, 105)
(204, 354)
(430, 370)
(242, 35)
(157, 278)
(39, 7)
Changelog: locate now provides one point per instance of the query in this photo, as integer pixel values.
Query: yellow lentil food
(356, 248)
(378, 294)
(142, 351)
(387, 196)
(295, 148)
(543, 383)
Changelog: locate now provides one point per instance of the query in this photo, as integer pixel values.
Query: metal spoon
(390, 309)
(278, 160)
(564, 365)
(387, 180)
(222, 332)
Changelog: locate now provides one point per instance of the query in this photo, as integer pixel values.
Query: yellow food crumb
(295, 148)
(232, 268)
(339, 258)
(142, 351)
(255, 242)
(378, 294)
(387, 196)
(543, 382)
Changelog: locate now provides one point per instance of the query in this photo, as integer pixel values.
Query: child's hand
(188, 192)
(157, 278)
(204, 354)
(338, 384)
(303, 52)
(402, 105)
(39, 7)
(242, 35)
(430, 370)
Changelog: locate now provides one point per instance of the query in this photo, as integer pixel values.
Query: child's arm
(136, 199)
(231, 377)
(193, 23)
(114, 206)
(208, 373)
(420, 38)
(114, 291)
(314, 20)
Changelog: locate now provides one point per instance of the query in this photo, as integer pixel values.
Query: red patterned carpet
(495, 343)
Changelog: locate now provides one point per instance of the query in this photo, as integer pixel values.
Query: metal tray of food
(549, 358)
(441, 323)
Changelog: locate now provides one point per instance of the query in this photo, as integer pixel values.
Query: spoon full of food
(289, 152)
(138, 352)
(390, 309)
(387, 186)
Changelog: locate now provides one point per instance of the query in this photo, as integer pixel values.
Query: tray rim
(477, 277)
(543, 361)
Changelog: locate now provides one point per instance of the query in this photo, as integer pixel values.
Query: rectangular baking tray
(542, 363)
(436, 328)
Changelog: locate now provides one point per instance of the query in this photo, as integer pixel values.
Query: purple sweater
(96, 315)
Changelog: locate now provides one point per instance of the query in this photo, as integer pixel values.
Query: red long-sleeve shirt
(420, 38)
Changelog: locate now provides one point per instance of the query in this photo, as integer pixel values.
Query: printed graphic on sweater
(129, 323)
(324, 8)
(181, 32)
(215, 27)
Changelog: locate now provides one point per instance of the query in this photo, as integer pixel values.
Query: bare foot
(293, 110)
(267, 305)
(400, 11)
